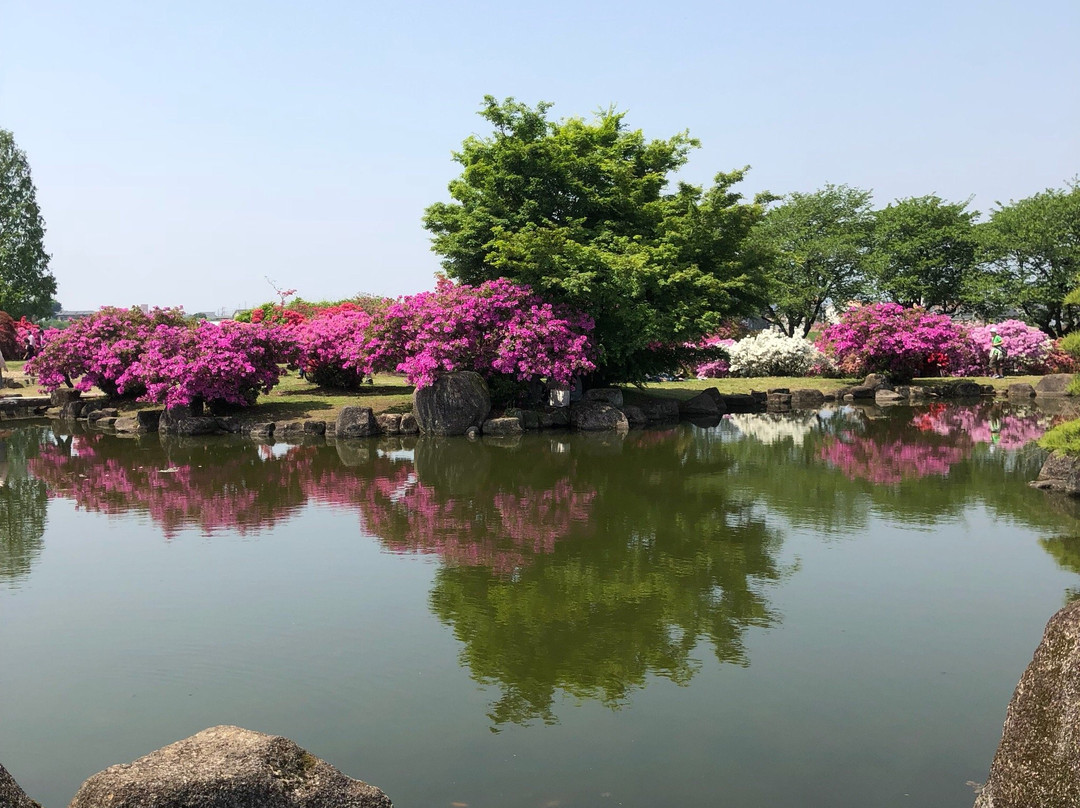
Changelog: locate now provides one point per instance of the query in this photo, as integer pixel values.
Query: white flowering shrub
(770, 353)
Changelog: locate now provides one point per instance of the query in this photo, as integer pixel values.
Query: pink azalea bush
(900, 342)
(497, 329)
(95, 351)
(1027, 349)
(335, 345)
(715, 368)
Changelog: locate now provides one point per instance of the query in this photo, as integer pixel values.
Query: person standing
(997, 354)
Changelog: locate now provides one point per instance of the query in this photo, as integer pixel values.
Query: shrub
(901, 343)
(770, 353)
(9, 341)
(1026, 348)
(1063, 438)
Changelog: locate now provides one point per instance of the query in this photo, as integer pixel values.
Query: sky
(203, 153)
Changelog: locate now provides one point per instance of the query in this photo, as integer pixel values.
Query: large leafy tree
(1032, 258)
(578, 210)
(818, 248)
(26, 284)
(924, 252)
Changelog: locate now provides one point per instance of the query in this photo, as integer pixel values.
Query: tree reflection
(23, 505)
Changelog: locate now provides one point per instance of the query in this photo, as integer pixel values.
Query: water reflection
(570, 564)
(23, 506)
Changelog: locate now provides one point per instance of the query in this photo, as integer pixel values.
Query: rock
(259, 431)
(883, 396)
(452, 404)
(556, 419)
(502, 426)
(779, 399)
(807, 399)
(877, 381)
(967, 390)
(172, 416)
(741, 402)
(139, 422)
(11, 796)
(704, 404)
(472, 433)
(389, 423)
(530, 419)
(63, 395)
(606, 395)
(1054, 384)
(1060, 472)
(861, 391)
(108, 422)
(634, 416)
(659, 409)
(408, 424)
(196, 425)
(1037, 762)
(225, 767)
(356, 422)
(71, 410)
(228, 423)
(594, 416)
(105, 412)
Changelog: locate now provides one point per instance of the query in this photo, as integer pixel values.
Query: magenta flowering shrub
(715, 368)
(227, 364)
(902, 343)
(335, 346)
(95, 351)
(495, 328)
(1027, 349)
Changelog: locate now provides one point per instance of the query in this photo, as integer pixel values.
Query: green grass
(1063, 438)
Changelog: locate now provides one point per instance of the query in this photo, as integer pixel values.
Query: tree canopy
(578, 210)
(924, 251)
(1032, 254)
(26, 284)
(818, 251)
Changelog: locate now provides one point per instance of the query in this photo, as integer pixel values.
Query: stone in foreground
(11, 796)
(1054, 384)
(594, 416)
(225, 767)
(1060, 472)
(356, 422)
(1038, 760)
(455, 402)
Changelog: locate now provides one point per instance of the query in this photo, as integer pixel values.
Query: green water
(810, 610)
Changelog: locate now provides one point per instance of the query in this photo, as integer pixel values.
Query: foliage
(924, 251)
(1026, 348)
(23, 330)
(1032, 249)
(497, 327)
(9, 337)
(227, 364)
(716, 368)
(817, 246)
(26, 284)
(577, 211)
(902, 343)
(335, 345)
(1064, 438)
(98, 349)
(770, 353)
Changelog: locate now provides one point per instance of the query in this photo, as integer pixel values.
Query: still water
(814, 609)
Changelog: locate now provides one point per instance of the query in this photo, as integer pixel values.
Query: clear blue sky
(183, 152)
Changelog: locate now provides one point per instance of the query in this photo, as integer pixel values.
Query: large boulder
(596, 416)
(607, 395)
(1037, 762)
(1060, 472)
(225, 767)
(356, 422)
(503, 426)
(807, 399)
(706, 404)
(1021, 390)
(658, 409)
(455, 402)
(11, 796)
(1054, 384)
(139, 423)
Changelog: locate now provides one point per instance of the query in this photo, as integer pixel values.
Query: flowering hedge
(497, 328)
(1027, 349)
(96, 350)
(902, 343)
(163, 356)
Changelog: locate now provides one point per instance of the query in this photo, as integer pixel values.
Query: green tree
(818, 247)
(924, 251)
(26, 284)
(1032, 258)
(577, 210)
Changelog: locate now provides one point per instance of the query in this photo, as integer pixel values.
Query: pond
(819, 609)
